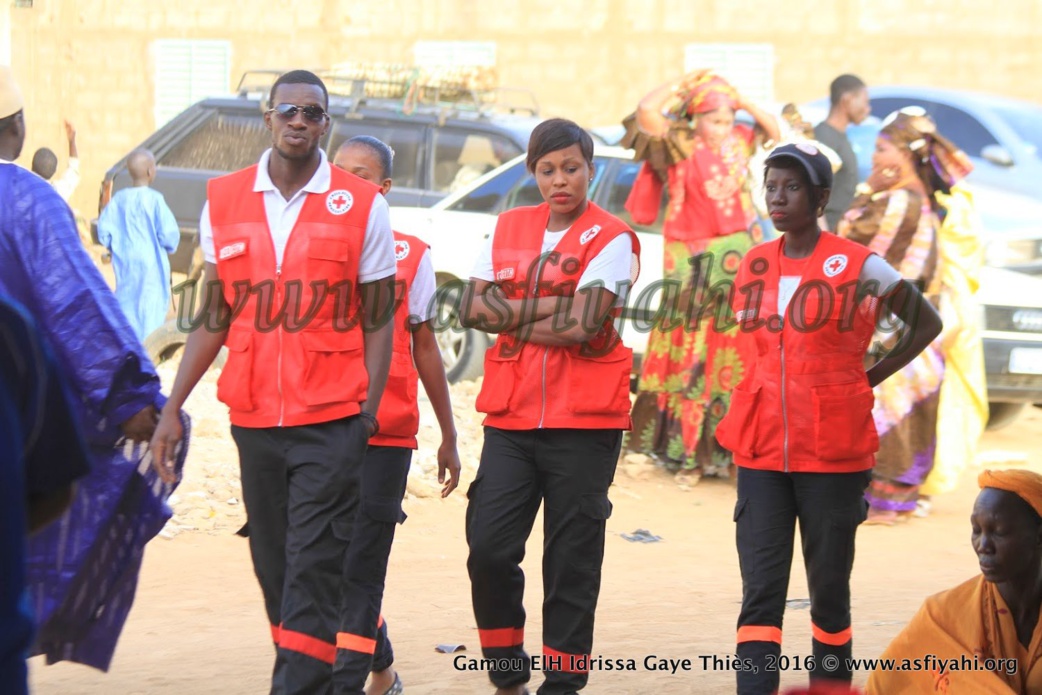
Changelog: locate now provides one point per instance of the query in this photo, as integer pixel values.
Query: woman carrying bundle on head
(686, 134)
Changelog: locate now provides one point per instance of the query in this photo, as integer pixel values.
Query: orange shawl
(968, 621)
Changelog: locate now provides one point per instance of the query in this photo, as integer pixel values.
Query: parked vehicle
(438, 146)
(457, 226)
(1003, 138)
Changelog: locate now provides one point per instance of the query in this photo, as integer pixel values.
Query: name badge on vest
(232, 250)
(505, 274)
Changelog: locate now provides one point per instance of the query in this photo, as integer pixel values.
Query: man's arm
(201, 349)
(70, 178)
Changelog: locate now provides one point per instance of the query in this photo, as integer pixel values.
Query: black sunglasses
(315, 114)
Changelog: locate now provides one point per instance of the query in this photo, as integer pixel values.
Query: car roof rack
(407, 88)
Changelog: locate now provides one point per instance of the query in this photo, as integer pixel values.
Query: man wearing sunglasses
(305, 253)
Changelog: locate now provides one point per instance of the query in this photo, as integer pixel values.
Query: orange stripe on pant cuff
(355, 643)
(554, 660)
(759, 633)
(307, 645)
(833, 639)
(275, 634)
(501, 637)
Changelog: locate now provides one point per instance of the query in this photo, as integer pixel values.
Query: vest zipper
(278, 378)
(784, 408)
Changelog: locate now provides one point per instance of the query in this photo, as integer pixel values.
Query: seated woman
(994, 616)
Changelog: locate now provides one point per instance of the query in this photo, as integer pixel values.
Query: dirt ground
(198, 625)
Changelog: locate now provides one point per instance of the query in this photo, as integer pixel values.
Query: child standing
(140, 231)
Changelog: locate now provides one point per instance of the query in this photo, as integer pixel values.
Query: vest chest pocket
(335, 370)
(234, 386)
(601, 385)
(843, 424)
(500, 379)
(327, 258)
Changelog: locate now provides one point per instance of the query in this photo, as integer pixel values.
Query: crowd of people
(840, 384)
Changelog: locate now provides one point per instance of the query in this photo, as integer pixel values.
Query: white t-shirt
(421, 308)
(876, 270)
(614, 267)
(67, 182)
(377, 261)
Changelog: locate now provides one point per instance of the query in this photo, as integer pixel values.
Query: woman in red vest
(385, 470)
(550, 282)
(800, 425)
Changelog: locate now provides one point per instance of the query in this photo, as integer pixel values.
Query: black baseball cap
(812, 159)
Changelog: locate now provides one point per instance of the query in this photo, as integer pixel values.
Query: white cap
(11, 101)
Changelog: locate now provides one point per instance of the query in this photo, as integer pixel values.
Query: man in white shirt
(304, 379)
(45, 164)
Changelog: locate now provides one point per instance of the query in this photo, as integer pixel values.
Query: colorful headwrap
(938, 162)
(708, 92)
(1024, 484)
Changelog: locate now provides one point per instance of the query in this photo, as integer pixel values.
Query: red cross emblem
(834, 265)
(401, 250)
(338, 202)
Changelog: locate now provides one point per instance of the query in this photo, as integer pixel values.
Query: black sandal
(396, 688)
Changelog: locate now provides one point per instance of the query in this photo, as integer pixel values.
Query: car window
(1026, 122)
(620, 184)
(884, 106)
(223, 142)
(488, 196)
(406, 139)
(526, 192)
(461, 157)
(962, 129)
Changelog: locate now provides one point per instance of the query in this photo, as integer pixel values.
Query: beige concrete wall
(90, 60)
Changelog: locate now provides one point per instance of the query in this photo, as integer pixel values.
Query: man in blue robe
(140, 231)
(83, 569)
(42, 453)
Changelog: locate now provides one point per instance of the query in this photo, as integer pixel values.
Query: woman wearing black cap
(800, 423)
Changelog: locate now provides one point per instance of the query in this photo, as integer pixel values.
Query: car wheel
(1003, 414)
(167, 341)
(462, 349)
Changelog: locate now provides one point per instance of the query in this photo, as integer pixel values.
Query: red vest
(295, 350)
(528, 386)
(805, 405)
(399, 413)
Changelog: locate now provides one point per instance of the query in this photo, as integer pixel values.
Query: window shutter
(187, 72)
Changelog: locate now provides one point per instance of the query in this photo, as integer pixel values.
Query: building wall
(591, 60)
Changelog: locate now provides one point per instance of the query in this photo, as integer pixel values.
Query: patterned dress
(693, 361)
(901, 226)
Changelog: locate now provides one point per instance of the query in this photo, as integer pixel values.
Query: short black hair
(792, 164)
(844, 84)
(299, 77)
(379, 148)
(45, 163)
(557, 134)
